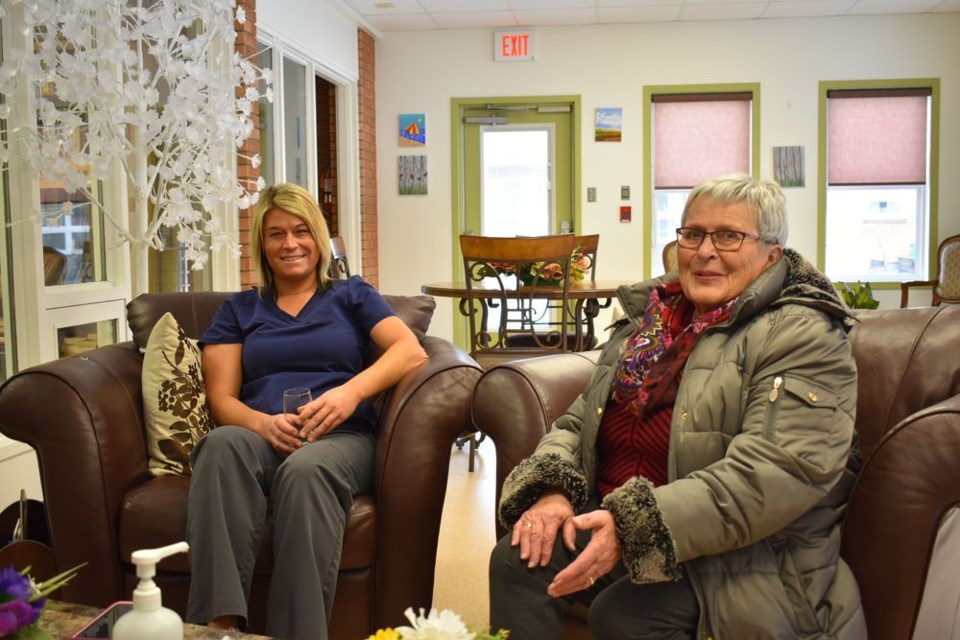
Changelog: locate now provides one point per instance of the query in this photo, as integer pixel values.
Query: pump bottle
(148, 620)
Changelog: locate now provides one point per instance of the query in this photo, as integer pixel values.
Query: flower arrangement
(21, 600)
(437, 625)
(547, 272)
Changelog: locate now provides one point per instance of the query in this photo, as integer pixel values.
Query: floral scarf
(653, 358)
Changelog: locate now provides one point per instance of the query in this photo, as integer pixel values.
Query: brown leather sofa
(902, 530)
(84, 417)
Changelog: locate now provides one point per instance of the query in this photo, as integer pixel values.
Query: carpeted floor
(467, 536)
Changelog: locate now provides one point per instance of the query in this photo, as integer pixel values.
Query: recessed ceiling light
(384, 5)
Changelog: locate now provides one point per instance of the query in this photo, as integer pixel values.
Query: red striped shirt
(628, 446)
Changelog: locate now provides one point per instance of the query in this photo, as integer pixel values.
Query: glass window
(295, 122)
(516, 182)
(84, 337)
(7, 341)
(71, 223)
(877, 192)
(268, 163)
(695, 136)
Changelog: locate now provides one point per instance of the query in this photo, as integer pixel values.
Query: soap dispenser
(148, 620)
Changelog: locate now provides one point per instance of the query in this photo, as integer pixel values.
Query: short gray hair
(765, 197)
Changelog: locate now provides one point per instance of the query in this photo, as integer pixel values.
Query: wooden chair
(946, 286)
(579, 338)
(503, 287)
(491, 266)
(670, 260)
(339, 267)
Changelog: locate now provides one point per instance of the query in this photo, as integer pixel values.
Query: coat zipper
(772, 415)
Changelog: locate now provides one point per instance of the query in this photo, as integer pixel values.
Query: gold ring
(591, 580)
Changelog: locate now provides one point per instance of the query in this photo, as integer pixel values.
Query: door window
(516, 176)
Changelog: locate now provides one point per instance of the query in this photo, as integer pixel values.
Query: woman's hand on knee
(598, 558)
(536, 530)
(281, 433)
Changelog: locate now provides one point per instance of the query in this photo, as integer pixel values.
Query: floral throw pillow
(174, 401)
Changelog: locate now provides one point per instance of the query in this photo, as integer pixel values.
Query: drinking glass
(293, 399)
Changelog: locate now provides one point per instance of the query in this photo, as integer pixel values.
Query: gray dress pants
(310, 493)
(619, 609)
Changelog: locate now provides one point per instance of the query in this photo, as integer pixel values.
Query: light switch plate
(591, 194)
(625, 193)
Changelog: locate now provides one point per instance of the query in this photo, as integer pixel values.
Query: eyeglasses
(722, 239)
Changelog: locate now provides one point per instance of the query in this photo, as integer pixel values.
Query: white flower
(438, 625)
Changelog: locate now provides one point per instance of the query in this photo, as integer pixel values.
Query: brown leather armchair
(902, 530)
(84, 417)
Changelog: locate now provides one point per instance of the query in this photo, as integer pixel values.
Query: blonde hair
(299, 202)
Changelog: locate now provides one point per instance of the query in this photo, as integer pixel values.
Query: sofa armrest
(905, 488)
(84, 417)
(516, 403)
(419, 421)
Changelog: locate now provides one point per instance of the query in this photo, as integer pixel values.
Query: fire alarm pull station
(625, 214)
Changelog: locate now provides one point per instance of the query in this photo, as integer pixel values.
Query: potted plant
(858, 296)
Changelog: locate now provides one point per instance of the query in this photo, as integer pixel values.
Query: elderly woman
(298, 329)
(696, 488)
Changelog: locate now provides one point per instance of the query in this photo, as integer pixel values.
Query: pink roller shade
(877, 140)
(698, 140)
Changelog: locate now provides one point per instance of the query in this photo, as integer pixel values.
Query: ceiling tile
(663, 13)
(806, 8)
(466, 6)
(475, 19)
(865, 7)
(558, 17)
(716, 11)
(401, 22)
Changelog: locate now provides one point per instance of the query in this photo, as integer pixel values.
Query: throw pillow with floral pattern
(174, 399)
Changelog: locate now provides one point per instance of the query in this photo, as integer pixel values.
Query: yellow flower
(385, 634)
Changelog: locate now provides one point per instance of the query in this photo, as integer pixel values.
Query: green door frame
(457, 108)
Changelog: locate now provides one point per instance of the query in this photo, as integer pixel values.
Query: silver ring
(527, 524)
(591, 580)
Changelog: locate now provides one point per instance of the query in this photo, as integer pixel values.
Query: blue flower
(21, 599)
(14, 585)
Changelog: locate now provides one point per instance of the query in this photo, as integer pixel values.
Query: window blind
(698, 136)
(877, 136)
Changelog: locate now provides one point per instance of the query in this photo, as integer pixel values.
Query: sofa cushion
(174, 399)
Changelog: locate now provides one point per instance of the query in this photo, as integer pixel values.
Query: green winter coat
(760, 463)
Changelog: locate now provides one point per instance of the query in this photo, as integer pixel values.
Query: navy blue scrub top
(320, 348)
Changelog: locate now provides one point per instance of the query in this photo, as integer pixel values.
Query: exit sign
(511, 46)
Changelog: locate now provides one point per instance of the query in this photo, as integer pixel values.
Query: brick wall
(246, 46)
(367, 107)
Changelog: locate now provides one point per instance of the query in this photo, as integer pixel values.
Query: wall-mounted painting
(413, 175)
(788, 166)
(413, 129)
(608, 124)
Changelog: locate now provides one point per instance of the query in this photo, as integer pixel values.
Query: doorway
(515, 170)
